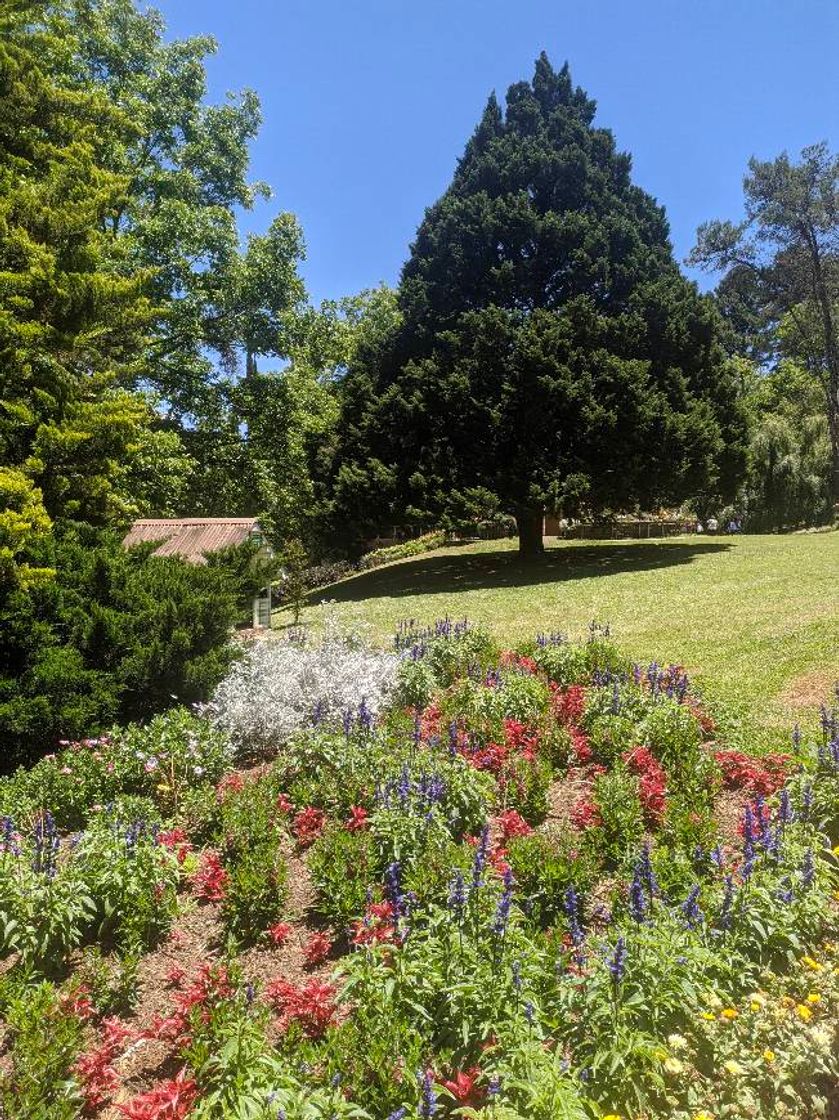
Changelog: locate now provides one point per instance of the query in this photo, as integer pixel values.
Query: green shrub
(256, 891)
(344, 867)
(116, 635)
(45, 1041)
(545, 866)
(621, 816)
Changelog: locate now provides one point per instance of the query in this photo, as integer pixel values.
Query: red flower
(652, 784)
(175, 840)
(175, 976)
(584, 813)
(230, 783)
(498, 860)
(283, 804)
(762, 775)
(464, 1087)
(308, 825)
(580, 746)
(317, 949)
(210, 880)
(280, 933)
(568, 704)
(358, 819)
(376, 925)
(170, 1100)
(513, 824)
(78, 1003)
(94, 1070)
(312, 1006)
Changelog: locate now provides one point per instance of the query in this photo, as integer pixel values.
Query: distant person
(713, 524)
(699, 528)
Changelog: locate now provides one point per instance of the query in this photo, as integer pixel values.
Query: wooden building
(191, 538)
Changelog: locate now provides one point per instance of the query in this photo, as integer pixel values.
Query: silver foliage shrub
(282, 685)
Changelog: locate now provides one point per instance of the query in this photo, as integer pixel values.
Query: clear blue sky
(368, 103)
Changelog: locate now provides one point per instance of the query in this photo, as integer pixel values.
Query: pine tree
(70, 324)
(550, 349)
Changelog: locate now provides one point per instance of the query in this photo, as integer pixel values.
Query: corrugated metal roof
(191, 537)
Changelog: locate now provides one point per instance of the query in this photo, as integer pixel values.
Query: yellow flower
(808, 962)
(759, 999)
(803, 1012)
(673, 1065)
(755, 1006)
(703, 1116)
(734, 1068)
(836, 850)
(729, 1013)
(709, 1015)
(612, 1116)
(769, 1056)
(814, 997)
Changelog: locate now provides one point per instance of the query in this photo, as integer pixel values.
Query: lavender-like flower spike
(502, 910)
(457, 895)
(691, 910)
(428, 1098)
(617, 965)
(637, 898)
(480, 859)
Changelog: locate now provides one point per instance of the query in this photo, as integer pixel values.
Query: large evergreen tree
(550, 351)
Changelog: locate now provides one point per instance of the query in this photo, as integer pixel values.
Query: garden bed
(459, 880)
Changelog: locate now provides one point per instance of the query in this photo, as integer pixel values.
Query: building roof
(191, 537)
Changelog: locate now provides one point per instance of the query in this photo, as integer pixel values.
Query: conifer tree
(550, 351)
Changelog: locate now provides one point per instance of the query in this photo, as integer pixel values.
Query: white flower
(279, 686)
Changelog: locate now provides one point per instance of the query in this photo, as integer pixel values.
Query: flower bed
(503, 886)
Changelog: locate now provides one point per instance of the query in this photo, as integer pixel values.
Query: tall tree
(550, 351)
(782, 261)
(70, 325)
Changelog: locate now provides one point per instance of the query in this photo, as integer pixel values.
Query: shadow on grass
(438, 575)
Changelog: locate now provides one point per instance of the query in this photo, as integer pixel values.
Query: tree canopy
(780, 286)
(549, 351)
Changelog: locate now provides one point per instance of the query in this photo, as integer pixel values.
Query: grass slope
(755, 619)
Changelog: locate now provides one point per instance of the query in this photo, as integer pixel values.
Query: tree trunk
(529, 524)
(833, 425)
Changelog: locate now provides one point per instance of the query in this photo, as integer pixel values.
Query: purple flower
(637, 898)
(690, 909)
(502, 910)
(645, 868)
(480, 859)
(571, 906)
(428, 1098)
(457, 895)
(617, 965)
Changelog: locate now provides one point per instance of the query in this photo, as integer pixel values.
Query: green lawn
(755, 618)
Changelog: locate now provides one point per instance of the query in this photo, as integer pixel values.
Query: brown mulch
(562, 795)
(193, 942)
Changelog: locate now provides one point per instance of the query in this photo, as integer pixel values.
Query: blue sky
(368, 103)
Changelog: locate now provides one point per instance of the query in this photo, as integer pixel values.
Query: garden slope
(756, 618)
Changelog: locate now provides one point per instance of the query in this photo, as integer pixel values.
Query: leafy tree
(218, 306)
(787, 480)
(70, 324)
(781, 269)
(549, 349)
